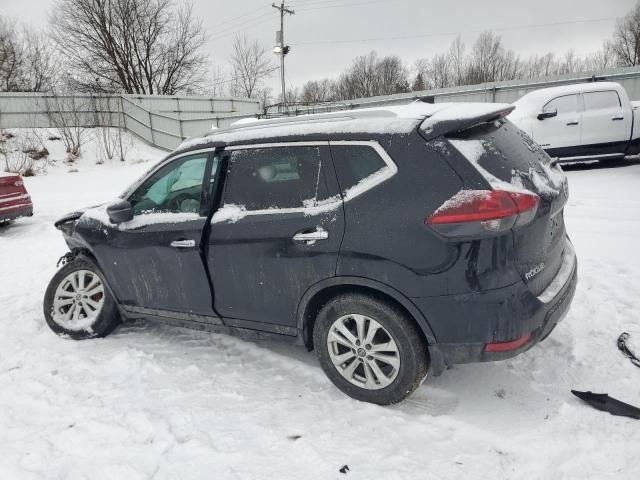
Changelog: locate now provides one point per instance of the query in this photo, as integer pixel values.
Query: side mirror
(120, 211)
(548, 114)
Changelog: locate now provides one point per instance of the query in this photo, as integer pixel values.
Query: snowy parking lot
(152, 401)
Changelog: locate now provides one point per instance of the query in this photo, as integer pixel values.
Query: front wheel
(77, 302)
(370, 349)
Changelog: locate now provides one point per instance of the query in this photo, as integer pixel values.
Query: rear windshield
(505, 152)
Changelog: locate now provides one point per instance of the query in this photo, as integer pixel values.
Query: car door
(278, 233)
(154, 262)
(604, 121)
(559, 134)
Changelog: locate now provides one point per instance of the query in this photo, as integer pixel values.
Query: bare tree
(392, 76)
(486, 58)
(265, 96)
(10, 57)
(626, 39)
(132, 46)
(67, 115)
(600, 60)
(369, 76)
(27, 63)
(250, 66)
(317, 91)
(570, 63)
(457, 61)
(365, 81)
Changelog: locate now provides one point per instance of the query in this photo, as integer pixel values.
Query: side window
(565, 104)
(355, 164)
(175, 188)
(275, 177)
(601, 100)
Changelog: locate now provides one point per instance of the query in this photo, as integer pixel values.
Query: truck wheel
(369, 349)
(77, 303)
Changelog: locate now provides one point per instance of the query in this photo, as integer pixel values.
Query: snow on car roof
(402, 119)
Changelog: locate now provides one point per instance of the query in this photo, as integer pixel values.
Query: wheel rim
(78, 300)
(363, 351)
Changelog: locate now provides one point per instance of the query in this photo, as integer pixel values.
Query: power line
(444, 34)
(233, 79)
(331, 4)
(250, 22)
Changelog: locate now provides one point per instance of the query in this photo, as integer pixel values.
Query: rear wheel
(77, 302)
(369, 349)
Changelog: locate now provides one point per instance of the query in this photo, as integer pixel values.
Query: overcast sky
(325, 35)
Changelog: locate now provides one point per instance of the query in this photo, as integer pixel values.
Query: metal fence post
(153, 137)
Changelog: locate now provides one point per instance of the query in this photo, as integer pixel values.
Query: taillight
(470, 212)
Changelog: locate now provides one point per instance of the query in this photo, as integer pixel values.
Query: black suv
(393, 241)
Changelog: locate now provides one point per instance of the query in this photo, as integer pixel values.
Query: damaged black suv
(392, 241)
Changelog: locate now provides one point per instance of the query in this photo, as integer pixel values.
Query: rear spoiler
(457, 117)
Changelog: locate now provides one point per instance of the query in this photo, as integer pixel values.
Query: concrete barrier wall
(163, 121)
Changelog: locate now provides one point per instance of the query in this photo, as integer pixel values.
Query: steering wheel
(175, 204)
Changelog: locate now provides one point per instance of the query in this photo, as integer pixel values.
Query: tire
(397, 341)
(97, 313)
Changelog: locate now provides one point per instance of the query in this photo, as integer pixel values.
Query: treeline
(157, 47)
(487, 60)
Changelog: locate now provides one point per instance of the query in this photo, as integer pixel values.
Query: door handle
(617, 118)
(573, 123)
(311, 237)
(183, 243)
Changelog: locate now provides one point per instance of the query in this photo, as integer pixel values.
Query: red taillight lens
(484, 206)
(507, 346)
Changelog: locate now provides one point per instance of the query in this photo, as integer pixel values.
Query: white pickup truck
(582, 121)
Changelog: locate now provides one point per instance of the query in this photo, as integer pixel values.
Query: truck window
(564, 104)
(601, 100)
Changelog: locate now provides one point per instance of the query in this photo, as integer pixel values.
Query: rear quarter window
(355, 164)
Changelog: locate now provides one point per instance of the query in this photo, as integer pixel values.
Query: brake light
(492, 210)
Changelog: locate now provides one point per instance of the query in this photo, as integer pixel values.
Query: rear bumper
(503, 315)
(12, 211)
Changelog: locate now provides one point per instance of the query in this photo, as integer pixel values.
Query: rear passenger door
(604, 120)
(277, 233)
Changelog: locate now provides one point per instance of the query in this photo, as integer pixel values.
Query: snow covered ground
(152, 401)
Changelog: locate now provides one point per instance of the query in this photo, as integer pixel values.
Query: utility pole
(281, 49)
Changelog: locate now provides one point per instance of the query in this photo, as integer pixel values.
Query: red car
(15, 202)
